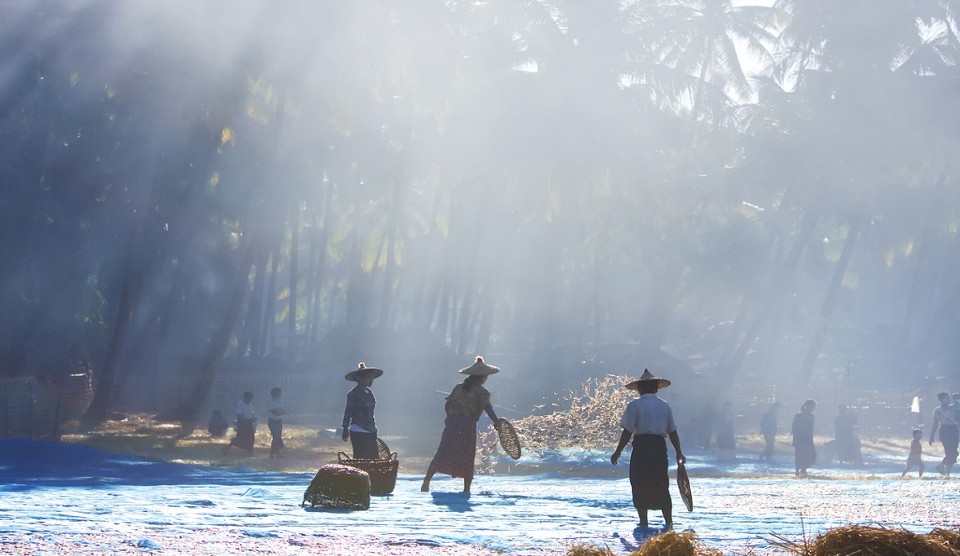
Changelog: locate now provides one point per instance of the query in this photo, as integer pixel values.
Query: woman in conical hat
(648, 420)
(359, 425)
(458, 443)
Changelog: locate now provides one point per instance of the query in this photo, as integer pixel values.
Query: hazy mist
(757, 202)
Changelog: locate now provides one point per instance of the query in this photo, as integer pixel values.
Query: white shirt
(245, 410)
(945, 415)
(275, 405)
(648, 414)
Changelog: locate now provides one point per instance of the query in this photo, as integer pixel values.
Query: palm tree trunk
(189, 410)
(294, 276)
(97, 411)
(248, 345)
(270, 303)
(806, 369)
(770, 302)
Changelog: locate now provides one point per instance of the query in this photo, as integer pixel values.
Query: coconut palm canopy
(762, 194)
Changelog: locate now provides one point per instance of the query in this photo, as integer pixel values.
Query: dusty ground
(306, 449)
(219, 543)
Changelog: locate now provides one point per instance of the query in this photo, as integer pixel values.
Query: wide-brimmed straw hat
(479, 368)
(352, 375)
(647, 376)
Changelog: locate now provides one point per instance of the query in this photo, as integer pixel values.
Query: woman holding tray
(458, 444)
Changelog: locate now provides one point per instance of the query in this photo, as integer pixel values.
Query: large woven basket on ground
(382, 471)
(339, 486)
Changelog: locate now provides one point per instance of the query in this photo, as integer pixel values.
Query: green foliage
(648, 181)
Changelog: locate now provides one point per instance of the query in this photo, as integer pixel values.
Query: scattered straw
(861, 540)
(592, 421)
(672, 543)
(588, 550)
(950, 539)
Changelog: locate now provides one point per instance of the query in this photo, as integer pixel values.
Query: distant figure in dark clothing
(916, 454)
(845, 437)
(246, 427)
(275, 413)
(768, 428)
(945, 421)
(726, 441)
(359, 424)
(805, 453)
(217, 426)
(649, 421)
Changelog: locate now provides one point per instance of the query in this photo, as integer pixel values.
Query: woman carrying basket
(458, 444)
(359, 425)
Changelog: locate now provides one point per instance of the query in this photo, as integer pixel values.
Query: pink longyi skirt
(458, 446)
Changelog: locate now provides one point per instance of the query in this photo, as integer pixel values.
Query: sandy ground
(216, 542)
(237, 504)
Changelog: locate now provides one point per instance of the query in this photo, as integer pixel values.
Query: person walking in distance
(916, 454)
(805, 452)
(768, 428)
(945, 422)
(275, 413)
(246, 426)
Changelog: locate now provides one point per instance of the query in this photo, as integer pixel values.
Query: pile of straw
(861, 540)
(670, 543)
(850, 540)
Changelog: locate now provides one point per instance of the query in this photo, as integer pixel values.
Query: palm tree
(704, 39)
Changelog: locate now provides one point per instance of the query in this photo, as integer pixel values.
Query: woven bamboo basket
(382, 471)
(339, 486)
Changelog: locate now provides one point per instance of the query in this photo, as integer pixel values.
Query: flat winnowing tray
(509, 440)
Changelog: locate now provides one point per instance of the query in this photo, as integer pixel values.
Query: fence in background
(29, 408)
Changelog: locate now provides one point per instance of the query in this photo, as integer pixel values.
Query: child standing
(916, 449)
(275, 414)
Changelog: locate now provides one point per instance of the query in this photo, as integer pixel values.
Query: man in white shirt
(649, 421)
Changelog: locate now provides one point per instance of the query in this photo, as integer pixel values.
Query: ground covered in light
(53, 491)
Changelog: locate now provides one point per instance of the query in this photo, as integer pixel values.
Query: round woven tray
(509, 440)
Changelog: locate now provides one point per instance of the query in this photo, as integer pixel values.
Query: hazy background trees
(729, 193)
